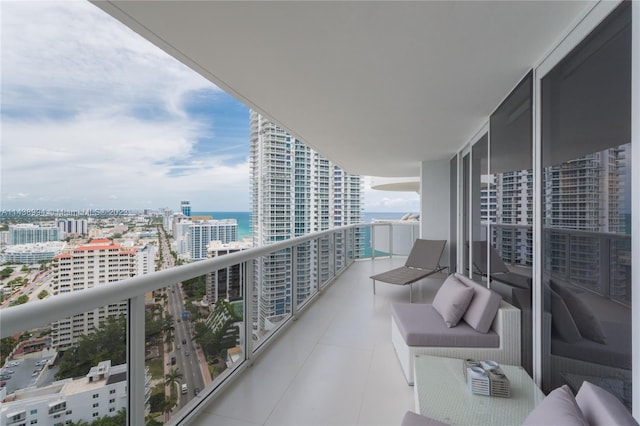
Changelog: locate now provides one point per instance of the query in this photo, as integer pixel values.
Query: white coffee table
(441, 393)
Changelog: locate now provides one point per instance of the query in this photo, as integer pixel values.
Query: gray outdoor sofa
(591, 406)
(488, 327)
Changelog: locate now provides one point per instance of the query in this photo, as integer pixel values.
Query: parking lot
(26, 372)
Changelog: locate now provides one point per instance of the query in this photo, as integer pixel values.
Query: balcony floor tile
(334, 366)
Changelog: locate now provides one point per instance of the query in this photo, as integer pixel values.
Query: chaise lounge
(465, 320)
(423, 260)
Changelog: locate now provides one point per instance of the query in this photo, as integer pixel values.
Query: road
(187, 360)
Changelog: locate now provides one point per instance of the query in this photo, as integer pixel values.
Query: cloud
(93, 115)
(389, 201)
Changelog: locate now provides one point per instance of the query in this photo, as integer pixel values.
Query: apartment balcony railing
(596, 261)
(333, 252)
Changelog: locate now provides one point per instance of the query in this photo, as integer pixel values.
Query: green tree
(168, 406)
(168, 328)
(20, 300)
(156, 402)
(43, 294)
(6, 272)
(172, 378)
(108, 342)
(6, 346)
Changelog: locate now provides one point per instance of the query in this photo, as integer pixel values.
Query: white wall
(434, 203)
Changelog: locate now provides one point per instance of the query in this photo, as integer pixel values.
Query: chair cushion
(483, 307)
(558, 408)
(421, 325)
(451, 300)
(600, 407)
(562, 320)
(583, 316)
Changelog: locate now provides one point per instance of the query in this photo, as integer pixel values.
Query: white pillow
(452, 300)
(558, 408)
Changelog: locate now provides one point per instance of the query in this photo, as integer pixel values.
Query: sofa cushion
(421, 325)
(562, 320)
(451, 300)
(483, 307)
(600, 407)
(584, 317)
(558, 408)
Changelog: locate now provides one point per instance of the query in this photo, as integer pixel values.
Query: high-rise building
(295, 191)
(201, 232)
(225, 283)
(29, 233)
(98, 263)
(73, 226)
(185, 208)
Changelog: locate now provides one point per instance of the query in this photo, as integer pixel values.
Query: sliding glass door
(586, 212)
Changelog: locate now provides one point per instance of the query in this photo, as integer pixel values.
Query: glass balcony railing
(186, 330)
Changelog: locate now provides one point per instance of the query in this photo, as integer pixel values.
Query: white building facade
(295, 191)
(102, 392)
(98, 263)
(29, 233)
(33, 253)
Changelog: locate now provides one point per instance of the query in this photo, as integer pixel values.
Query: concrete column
(435, 203)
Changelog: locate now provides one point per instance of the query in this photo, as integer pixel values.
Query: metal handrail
(32, 315)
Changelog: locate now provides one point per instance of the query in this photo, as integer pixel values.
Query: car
(8, 371)
(184, 388)
(42, 362)
(184, 341)
(13, 363)
(178, 347)
(187, 353)
(5, 377)
(3, 384)
(179, 320)
(35, 373)
(196, 391)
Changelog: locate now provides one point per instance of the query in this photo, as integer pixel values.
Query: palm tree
(167, 406)
(168, 328)
(173, 377)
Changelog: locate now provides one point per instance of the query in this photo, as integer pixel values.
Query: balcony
(326, 359)
(334, 365)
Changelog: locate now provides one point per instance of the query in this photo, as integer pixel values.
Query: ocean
(244, 219)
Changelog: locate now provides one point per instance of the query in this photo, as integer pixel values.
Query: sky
(93, 116)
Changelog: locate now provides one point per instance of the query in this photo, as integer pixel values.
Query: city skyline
(105, 120)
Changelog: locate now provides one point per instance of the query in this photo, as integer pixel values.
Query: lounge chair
(499, 271)
(423, 260)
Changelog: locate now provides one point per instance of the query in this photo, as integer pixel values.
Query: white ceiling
(377, 87)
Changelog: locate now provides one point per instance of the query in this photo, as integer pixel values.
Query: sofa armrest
(507, 326)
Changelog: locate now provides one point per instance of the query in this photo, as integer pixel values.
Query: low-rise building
(102, 392)
(33, 253)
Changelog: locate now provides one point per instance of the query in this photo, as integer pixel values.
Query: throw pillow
(562, 320)
(584, 317)
(558, 408)
(601, 407)
(451, 300)
(483, 307)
